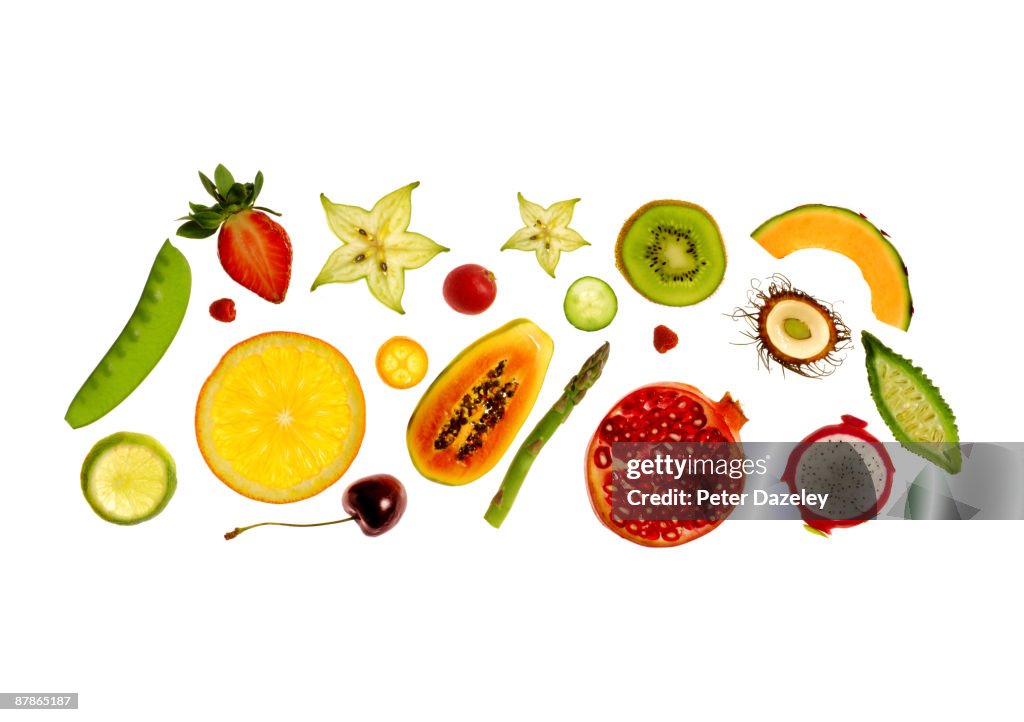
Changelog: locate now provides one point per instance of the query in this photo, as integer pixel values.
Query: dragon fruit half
(847, 463)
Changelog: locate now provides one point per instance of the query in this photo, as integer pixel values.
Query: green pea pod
(142, 343)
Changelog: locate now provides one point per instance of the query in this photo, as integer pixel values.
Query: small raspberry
(223, 310)
(665, 339)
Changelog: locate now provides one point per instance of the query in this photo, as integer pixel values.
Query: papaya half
(473, 410)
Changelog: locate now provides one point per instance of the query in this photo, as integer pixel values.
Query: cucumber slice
(128, 478)
(912, 407)
(590, 304)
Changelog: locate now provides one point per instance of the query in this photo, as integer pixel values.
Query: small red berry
(470, 289)
(665, 339)
(223, 310)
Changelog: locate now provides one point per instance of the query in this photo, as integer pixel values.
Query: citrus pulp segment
(281, 417)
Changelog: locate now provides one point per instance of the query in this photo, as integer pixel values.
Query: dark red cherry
(375, 502)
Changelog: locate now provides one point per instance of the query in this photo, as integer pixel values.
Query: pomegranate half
(664, 412)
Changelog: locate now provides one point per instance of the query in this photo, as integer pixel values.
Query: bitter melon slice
(911, 405)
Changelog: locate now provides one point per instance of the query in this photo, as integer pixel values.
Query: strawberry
(665, 339)
(253, 248)
(256, 252)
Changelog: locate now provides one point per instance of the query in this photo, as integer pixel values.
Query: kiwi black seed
(671, 252)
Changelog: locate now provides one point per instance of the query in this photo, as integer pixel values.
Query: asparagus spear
(574, 392)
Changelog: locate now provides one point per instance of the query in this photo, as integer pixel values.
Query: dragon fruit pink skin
(841, 471)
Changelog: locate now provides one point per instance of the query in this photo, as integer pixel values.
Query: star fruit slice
(376, 245)
(546, 232)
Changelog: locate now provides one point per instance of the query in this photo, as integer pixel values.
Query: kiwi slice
(671, 252)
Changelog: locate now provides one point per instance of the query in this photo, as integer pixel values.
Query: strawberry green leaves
(376, 245)
(223, 179)
(231, 197)
(546, 232)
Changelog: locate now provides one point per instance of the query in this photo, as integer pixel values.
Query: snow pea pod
(142, 343)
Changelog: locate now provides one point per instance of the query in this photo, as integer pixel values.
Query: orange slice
(281, 417)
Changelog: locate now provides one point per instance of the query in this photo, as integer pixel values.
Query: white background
(910, 115)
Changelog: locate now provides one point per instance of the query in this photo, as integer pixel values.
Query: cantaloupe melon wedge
(846, 232)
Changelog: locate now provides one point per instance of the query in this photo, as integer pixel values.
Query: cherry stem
(235, 532)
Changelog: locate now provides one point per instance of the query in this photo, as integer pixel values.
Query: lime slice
(128, 478)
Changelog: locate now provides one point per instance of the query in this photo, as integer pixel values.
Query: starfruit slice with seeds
(546, 232)
(376, 245)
